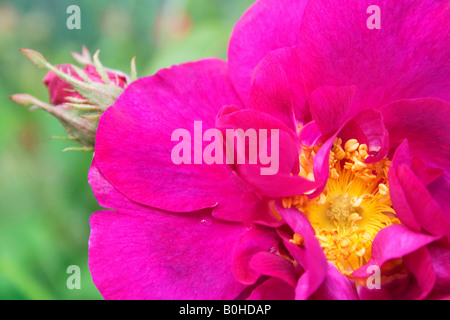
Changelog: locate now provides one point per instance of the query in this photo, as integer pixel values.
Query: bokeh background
(45, 200)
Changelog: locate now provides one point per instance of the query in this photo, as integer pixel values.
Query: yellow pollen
(297, 239)
(354, 206)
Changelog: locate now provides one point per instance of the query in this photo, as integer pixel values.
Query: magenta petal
(440, 190)
(402, 287)
(425, 173)
(107, 196)
(426, 211)
(277, 88)
(270, 264)
(160, 255)
(336, 287)
(283, 183)
(330, 107)
(368, 128)
(255, 240)
(258, 121)
(311, 257)
(419, 264)
(273, 289)
(310, 134)
(413, 202)
(440, 259)
(394, 242)
(277, 186)
(143, 120)
(253, 37)
(425, 123)
(400, 202)
(416, 283)
(406, 58)
(321, 164)
(271, 92)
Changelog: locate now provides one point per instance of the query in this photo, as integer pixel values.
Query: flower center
(354, 206)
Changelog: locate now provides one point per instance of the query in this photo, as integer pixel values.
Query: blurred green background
(45, 200)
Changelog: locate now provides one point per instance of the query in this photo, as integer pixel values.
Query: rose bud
(59, 89)
(78, 96)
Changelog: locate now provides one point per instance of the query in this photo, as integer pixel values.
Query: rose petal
(274, 265)
(254, 37)
(160, 255)
(311, 257)
(406, 58)
(272, 289)
(393, 242)
(107, 196)
(144, 118)
(255, 240)
(425, 209)
(330, 107)
(277, 88)
(440, 259)
(425, 123)
(419, 264)
(336, 286)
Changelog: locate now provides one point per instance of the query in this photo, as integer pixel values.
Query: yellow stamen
(351, 145)
(297, 239)
(354, 206)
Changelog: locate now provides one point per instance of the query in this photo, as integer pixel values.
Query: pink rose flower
(359, 207)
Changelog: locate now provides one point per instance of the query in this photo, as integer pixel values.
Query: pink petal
(426, 210)
(413, 202)
(419, 264)
(277, 186)
(406, 58)
(330, 107)
(268, 25)
(272, 289)
(107, 196)
(399, 201)
(425, 123)
(417, 283)
(394, 242)
(255, 240)
(440, 190)
(284, 183)
(368, 128)
(310, 134)
(271, 264)
(311, 257)
(271, 92)
(133, 147)
(425, 173)
(277, 88)
(321, 165)
(440, 259)
(336, 286)
(257, 120)
(161, 255)
(399, 288)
